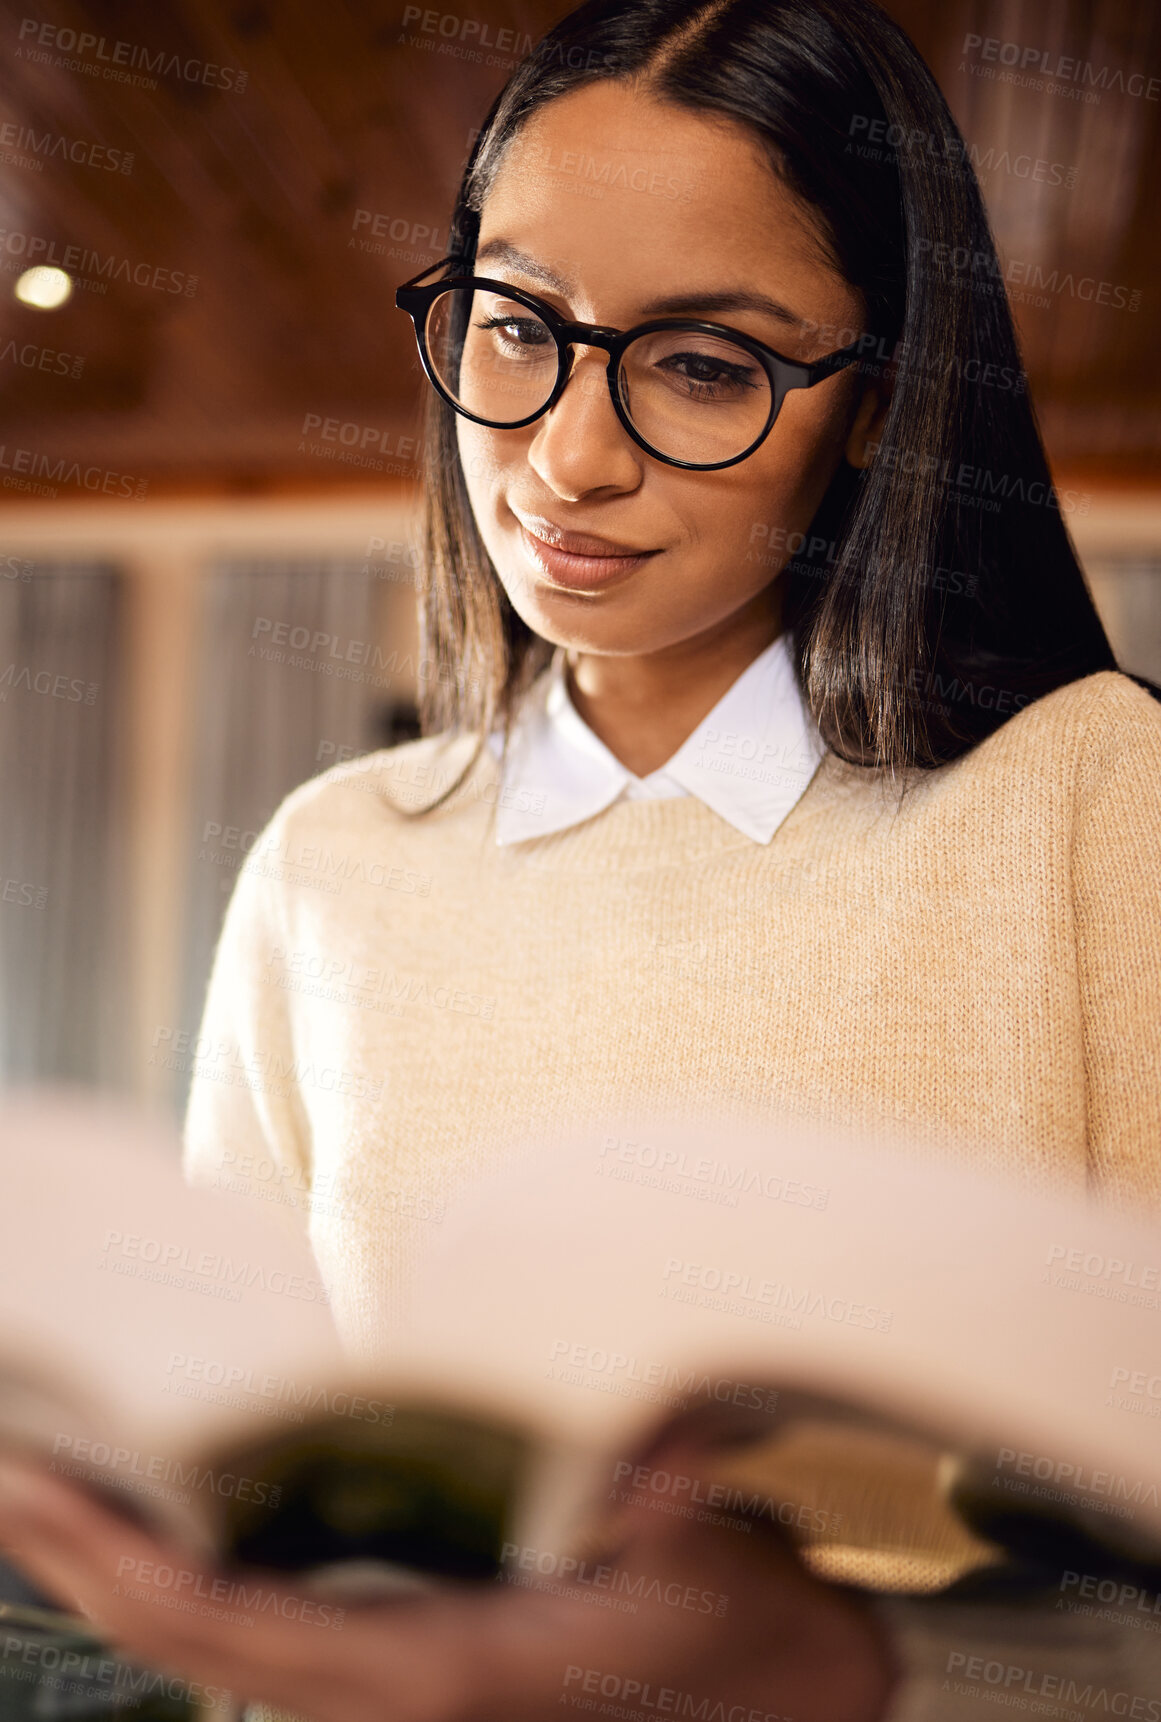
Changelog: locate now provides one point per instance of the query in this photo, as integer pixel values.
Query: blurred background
(208, 422)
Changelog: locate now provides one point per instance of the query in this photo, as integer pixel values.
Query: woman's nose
(580, 445)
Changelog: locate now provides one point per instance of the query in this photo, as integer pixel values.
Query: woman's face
(606, 204)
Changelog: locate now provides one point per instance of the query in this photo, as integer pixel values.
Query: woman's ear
(867, 427)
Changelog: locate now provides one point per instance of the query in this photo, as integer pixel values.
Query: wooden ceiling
(299, 159)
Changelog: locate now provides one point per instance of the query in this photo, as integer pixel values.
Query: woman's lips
(577, 562)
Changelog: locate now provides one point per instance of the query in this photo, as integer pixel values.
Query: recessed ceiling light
(43, 287)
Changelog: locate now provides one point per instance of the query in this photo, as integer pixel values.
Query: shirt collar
(749, 760)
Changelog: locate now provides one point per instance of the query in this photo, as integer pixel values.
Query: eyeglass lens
(694, 397)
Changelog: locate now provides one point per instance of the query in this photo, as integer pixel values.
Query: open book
(899, 1362)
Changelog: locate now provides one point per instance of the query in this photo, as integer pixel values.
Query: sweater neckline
(635, 835)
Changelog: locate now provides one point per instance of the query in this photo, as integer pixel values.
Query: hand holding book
(783, 1645)
(326, 1536)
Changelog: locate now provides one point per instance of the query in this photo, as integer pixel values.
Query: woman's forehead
(615, 132)
(607, 192)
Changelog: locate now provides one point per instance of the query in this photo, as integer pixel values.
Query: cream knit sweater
(397, 1001)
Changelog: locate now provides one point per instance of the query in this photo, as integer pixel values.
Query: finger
(152, 1600)
(246, 1633)
(676, 1487)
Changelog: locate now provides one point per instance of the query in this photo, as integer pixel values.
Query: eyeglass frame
(417, 301)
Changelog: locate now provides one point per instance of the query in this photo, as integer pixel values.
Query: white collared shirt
(749, 760)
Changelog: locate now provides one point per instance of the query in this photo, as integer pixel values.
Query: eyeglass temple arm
(826, 367)
(424, 273)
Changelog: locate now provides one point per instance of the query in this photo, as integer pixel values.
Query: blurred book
(911, 1368)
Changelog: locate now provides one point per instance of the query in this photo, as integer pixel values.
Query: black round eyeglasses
(692, 394)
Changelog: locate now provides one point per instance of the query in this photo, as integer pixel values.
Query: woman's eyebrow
(674, 304)
(738, 300)
(502, 251)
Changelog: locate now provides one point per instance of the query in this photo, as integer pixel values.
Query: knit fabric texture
(968, 957)
(973, 955)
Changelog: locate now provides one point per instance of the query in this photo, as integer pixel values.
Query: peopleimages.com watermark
(55, 685)
(320, 642)
(24, 893)
(30, 356)
(348, 981)
(129, 1465)
(817, 558)
(242, 1385)
(297, 647)
(878, 356)
(323, 1192)
(24, 146)
(710, 1286)
(1071, 1483)
(974, 1675)
(1135, 1390)
(88, 269)
(635, 1483)
(591, 175)
(268, 1067)
(378, 234)
(69, 1674)
(1025, 281)
(706, 1170)
(188, 1588)
(1033, 66)
(403, 775)
(40, 474)
(369, 446)
(396, 559)
(578, 1363)
(970, 486)
(207, 1271)
(1070, 1267)
(877, 140)
(630, 1700)
(584, 1577)
(472, 39)
(1103, 1598)
(315, 865)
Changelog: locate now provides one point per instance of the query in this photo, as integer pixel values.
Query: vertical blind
(63, 907)
(293, 677)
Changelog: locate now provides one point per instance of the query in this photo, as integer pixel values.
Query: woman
(779, 761)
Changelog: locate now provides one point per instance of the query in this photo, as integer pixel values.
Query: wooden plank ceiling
(271, 142)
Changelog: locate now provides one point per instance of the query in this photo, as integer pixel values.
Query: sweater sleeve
(245, 1127)
(1117, 906)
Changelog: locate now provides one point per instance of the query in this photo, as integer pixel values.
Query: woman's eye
(705, 374)
(519, 331)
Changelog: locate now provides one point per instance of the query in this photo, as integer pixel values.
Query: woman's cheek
(768, 515)
(790, 477)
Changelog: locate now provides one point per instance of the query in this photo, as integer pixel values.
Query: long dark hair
(937, 592)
